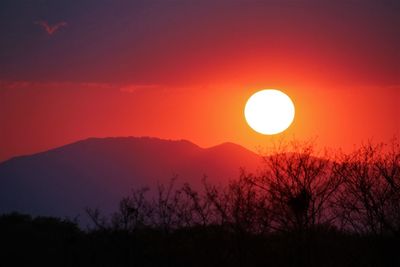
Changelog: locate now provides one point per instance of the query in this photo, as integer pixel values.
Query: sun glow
(269, 111)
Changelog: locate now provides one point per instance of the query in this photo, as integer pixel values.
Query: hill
(98, 172)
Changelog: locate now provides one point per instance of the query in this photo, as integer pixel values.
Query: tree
(300, 185)
(369, 201)
(134, 212)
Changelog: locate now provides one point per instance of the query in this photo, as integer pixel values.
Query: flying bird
(51, 29)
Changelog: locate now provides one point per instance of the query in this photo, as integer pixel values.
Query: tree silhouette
(304, 208)
(300, 185)
(370, 197)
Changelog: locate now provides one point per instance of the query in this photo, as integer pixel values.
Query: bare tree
(370, 198)
(300, 186)
(100, 222)
(299, 189)
(196, 207)
(134, 212)
(168, 205)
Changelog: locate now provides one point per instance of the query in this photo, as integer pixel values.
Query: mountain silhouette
(98, 172)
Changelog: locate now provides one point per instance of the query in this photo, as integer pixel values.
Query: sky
(183, 69)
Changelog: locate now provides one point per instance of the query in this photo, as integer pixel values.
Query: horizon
(200, 133)
(259, 150)
(127, 137)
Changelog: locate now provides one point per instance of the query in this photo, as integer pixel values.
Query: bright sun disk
(269, 111)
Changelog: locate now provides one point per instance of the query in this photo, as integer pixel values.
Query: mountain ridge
(90, 139)
(98, 172)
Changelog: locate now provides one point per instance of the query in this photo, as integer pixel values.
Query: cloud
(130, 88)
(50, 29)
(394, 86)
(125, 88)
(24, 84)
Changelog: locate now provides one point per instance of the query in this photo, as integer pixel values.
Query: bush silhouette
(303, 209)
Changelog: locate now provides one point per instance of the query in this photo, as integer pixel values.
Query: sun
(269, 111)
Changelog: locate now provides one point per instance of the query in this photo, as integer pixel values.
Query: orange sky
(180, 70)
(338, 116)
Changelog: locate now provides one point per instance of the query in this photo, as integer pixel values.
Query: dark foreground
(45, 241)
(302, 210)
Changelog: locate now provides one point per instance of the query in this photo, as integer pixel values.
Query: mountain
(98, 172)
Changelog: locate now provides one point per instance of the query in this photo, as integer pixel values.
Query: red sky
(184, 70)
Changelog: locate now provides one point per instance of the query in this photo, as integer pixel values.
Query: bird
(51, 29)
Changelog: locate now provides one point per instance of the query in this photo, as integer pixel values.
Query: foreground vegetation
(304, 209)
